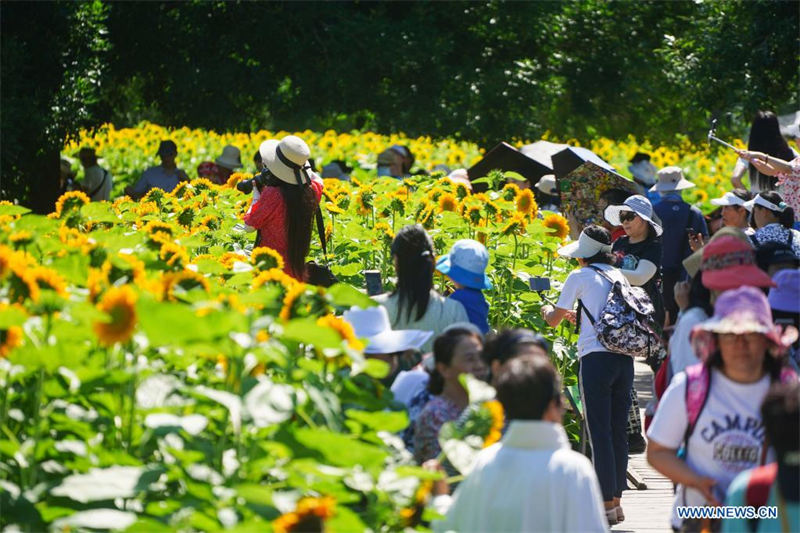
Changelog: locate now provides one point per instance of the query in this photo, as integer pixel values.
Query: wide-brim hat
(763, 202)
(693, 263)
(671, 179)
(466, 264)
(729, 199)
(740, 311)
(636, 204)
(547, 185)
(287, 159)
(583, 248)
(729, 263)
(231, 158)
(373, 325)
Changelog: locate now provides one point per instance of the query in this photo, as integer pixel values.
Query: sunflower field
(159, 374)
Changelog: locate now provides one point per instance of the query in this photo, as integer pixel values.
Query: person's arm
(570, 292)
(738, 172)
(766, 164)
(666, 461)
(641, 274)
(256, 196)
(139, 189)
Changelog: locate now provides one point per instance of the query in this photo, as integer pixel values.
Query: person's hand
(682, 294)
(440, 486)
(571, 317)
(547, 309)
(704, 485)
(696, 241)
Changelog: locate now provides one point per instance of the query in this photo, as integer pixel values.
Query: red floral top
(426, 435)
(268, 216)
(789, 186)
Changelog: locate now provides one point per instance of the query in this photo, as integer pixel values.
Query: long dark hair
(765, 136)
(699, 295)
(785, 217)
(413, 248)
(508, 344)
(444, 348)
(301, 203)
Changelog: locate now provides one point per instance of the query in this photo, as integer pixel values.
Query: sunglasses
(627, 216)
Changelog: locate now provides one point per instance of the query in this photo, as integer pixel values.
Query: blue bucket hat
(466, 264)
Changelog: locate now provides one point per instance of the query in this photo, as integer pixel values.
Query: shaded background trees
(482, 71)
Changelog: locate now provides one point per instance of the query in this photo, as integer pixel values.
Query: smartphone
(373, 282)
(539, 284)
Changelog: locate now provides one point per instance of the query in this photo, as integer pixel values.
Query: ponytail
(785, 217)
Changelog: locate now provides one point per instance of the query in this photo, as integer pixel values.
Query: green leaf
(340, 450)
(376, 368)
(391, 421)
(13, 210)
(99, 212)
(306, 331)
(12, 316)
(111, 519)
(344, 295)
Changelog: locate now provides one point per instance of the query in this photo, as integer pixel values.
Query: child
(466, 266)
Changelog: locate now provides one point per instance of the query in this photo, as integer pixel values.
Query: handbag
(315, 273)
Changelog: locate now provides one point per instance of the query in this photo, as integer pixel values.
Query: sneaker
(636, 443)
(611, 516)
(620, 514)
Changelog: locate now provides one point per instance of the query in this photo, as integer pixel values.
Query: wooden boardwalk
(646, 510)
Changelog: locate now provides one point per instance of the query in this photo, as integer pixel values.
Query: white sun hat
(547, 185)
(763, 202)
(729, 199)
(373, 324)
(671, 179)
(637, 204)
(287, 159)
(231, 158)
(584, 247)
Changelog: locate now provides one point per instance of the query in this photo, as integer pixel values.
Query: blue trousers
(606, 380)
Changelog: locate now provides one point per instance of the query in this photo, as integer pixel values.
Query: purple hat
(740, 311)
(786, 296)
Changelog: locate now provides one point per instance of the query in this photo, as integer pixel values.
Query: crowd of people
(720, 296)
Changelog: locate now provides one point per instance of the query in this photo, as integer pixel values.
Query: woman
(283, 207)
(734, 211)
(766, 138)
(509, 344)
(741, 350)
(694, 301)
(638, 252)
(773, 220)
(455, 352)
(605, 378)
(414, 304)
(787, 172)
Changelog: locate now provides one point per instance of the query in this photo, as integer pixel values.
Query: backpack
(625, 324)
(698, 385)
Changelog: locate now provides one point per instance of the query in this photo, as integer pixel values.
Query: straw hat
(230, 158)
(287, 159)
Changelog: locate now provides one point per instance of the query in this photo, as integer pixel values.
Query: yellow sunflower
(273, 275)
(21, 238)
(22, 282)
(495, 409)
(448, 202)
(265, 258)
(294, 292)
(228, 258)
(343, 328)
(9, 339)
(309, 515)
(173, 254)
(473, 214)
(516, 226)
(526, 203)
(96, 282)
(69, 201)
(186, 279)
(510, 191)
(558, 225)
(48, 278)
(120, 304)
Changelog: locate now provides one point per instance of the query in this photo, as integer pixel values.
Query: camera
(260, 180)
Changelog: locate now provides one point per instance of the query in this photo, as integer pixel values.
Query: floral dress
(777, 233)
(789, 186)
(426, 434)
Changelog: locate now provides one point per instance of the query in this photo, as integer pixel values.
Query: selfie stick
(712, 136)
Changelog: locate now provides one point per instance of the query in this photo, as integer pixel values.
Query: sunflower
(526, 203)
(385, 232)
(333, 208)
(265, 258)
(510, 191)
(96, 282)
(229, 258)
(412, 516)
(155, 195)
(473, 214)
(273, 275)
(7, 256)
(210, 222)
(157, 227)
(21, 238)
(119, 303)
(72, 237)
(262, 336)
(495, 409)
(448, 202)
(309, 515)
(515, 227)
(9, 339)
(129, 267)
(186, 216)
(462, 191)
(48, 278)
(146, 208)
(69, 201)
(174, 254)
(235, 178)
(343, 328)
(22, 282)
(292, 295)
(558, 225)
(185, 279)
(202, 184)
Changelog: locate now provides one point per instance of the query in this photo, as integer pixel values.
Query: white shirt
(592, 289)
(727, 438)
(681, 353)
(441, 313)
(530, 481)
(92, 180)
(408, 384)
